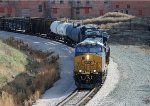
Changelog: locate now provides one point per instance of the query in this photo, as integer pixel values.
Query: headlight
(94, 71)
(87, 57)
(80, 71)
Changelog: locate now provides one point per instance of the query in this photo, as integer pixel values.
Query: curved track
(60, 40)
(78, 97)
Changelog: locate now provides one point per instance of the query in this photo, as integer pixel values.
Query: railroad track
(45, 37)
(54, 39)
(78, 97)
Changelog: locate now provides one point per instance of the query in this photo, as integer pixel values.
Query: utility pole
(49, 9)
(71, 8)
(46, 8)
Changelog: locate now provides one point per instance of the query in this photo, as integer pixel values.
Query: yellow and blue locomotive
(90, 63)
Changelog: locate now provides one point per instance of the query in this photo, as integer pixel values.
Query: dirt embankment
(25, 75)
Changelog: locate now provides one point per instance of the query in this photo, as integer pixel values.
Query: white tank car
(59, 27)
(76, 33)
(53, 26)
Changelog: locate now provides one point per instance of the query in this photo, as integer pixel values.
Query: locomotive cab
(89, 63)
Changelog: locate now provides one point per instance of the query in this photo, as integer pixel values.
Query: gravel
(129, 84)
(80, 95)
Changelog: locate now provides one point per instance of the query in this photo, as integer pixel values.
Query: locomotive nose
(89, 64)
(87, 70)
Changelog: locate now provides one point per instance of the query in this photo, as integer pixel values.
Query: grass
(25, 73)
(12, 63)
(111, 17)
(116, 14)
(3, 79)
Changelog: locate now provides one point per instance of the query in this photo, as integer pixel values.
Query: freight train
(91, 49)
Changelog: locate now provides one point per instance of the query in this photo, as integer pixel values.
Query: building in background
(75, 9)
(23, 8)
(137, 8)
(78, 9)
(7, 8)
(33, 8)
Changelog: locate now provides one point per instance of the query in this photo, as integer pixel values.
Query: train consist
(91, 52)
(91, 49)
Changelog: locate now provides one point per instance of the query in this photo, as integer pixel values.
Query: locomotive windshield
(95, 49)
(87, 49)
(81, 49)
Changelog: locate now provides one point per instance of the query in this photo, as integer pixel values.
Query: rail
(78, 97)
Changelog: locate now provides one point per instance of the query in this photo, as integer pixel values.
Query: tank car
(65, 31)
(72, 33)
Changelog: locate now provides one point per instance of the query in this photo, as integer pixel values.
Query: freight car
(34, 25)
(15, 24)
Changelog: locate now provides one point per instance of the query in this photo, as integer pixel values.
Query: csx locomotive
(91, 49)
(91, 61)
